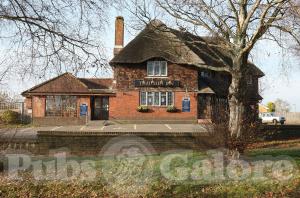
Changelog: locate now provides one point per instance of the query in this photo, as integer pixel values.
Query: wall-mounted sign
(156, 83)
(186, 105)
(83, 110)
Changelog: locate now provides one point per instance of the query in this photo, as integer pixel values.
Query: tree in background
(236, 26)
(39, 37)
(282, 106)
(271, 107)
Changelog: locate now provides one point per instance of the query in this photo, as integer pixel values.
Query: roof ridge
(45, 82)
(52, 79)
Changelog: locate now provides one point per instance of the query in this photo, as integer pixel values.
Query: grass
(159, 186)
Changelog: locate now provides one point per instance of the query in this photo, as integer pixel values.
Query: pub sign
(157, 83)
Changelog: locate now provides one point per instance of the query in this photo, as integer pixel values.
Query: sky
(281, 68)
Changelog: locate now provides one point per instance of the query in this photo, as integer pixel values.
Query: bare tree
(238, 25)
(52, 36)
(282, 106)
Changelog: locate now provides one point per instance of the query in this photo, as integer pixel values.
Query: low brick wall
(93, 144)
(58, 121)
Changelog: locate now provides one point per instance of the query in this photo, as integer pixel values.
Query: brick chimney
(119, 34)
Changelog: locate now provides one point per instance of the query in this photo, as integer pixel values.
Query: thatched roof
(181, 47)
(67, 84)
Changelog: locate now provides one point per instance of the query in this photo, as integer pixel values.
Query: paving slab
(115, 129)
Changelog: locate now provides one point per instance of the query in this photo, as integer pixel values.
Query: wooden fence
(291, 117)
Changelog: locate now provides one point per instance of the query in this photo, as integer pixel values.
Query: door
(204, 106)
(100, 106)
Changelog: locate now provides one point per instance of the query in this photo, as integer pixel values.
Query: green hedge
(10, 117)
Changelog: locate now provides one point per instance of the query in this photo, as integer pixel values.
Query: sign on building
(83, 110)
(186, 105)
(156, 83)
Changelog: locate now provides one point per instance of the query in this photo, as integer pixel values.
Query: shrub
(172, 109)
(10, 117)
(143, 108)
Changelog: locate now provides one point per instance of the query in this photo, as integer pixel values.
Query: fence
(291, 117)
(17, 107)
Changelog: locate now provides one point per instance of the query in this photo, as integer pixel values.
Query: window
(143, 98)
(163, 99)
(157, 98)
(249, 80)
(206, 74)
(150, 98)
(64, 106)
(157, 68)
(170, 98)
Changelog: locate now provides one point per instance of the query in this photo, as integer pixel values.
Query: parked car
(271, 118)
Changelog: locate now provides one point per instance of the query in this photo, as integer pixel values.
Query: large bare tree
(238, 25)
(39, 37)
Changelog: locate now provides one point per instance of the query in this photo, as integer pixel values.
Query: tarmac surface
(100, 128)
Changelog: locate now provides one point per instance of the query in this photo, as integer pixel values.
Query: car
(272, 118)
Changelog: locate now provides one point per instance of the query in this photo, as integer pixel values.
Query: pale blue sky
(280, 66)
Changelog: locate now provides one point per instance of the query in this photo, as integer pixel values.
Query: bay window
(156, 98)
(157, 68)
(63, 106)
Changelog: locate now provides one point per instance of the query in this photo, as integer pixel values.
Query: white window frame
(167, 98)
(161, 64)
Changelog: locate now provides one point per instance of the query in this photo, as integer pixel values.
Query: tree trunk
(236, 97)
(236, 108)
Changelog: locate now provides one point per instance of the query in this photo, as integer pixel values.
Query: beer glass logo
(127, 165)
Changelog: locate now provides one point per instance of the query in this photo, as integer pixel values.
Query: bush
(143, 108)
(10, 117)
(172, 109)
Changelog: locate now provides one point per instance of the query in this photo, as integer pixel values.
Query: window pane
(53, 106)
(170, 98)
(163, 68)
(156, 68)
(143, 98)
(65, 106)
(163, 99)
(156, 98)
(150, 98)
(150, 68)
(69, 106)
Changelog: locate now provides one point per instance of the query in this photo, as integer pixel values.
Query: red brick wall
(28, 103)
(84, 100)
(124, 106)
(38, 106)
(126, 74)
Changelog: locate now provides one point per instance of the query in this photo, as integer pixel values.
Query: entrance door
(204, 106)
(100, 107)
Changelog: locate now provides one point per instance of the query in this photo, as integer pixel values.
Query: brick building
(162, 74)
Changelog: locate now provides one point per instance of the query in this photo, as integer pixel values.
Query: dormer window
(206, 74)
(157, 68)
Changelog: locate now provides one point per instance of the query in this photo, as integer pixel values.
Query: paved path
(31, 133)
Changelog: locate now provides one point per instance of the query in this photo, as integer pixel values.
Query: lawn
(111, 182)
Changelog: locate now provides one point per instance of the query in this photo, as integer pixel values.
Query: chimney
(119, 34)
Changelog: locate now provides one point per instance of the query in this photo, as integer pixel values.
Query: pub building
(162, 75)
